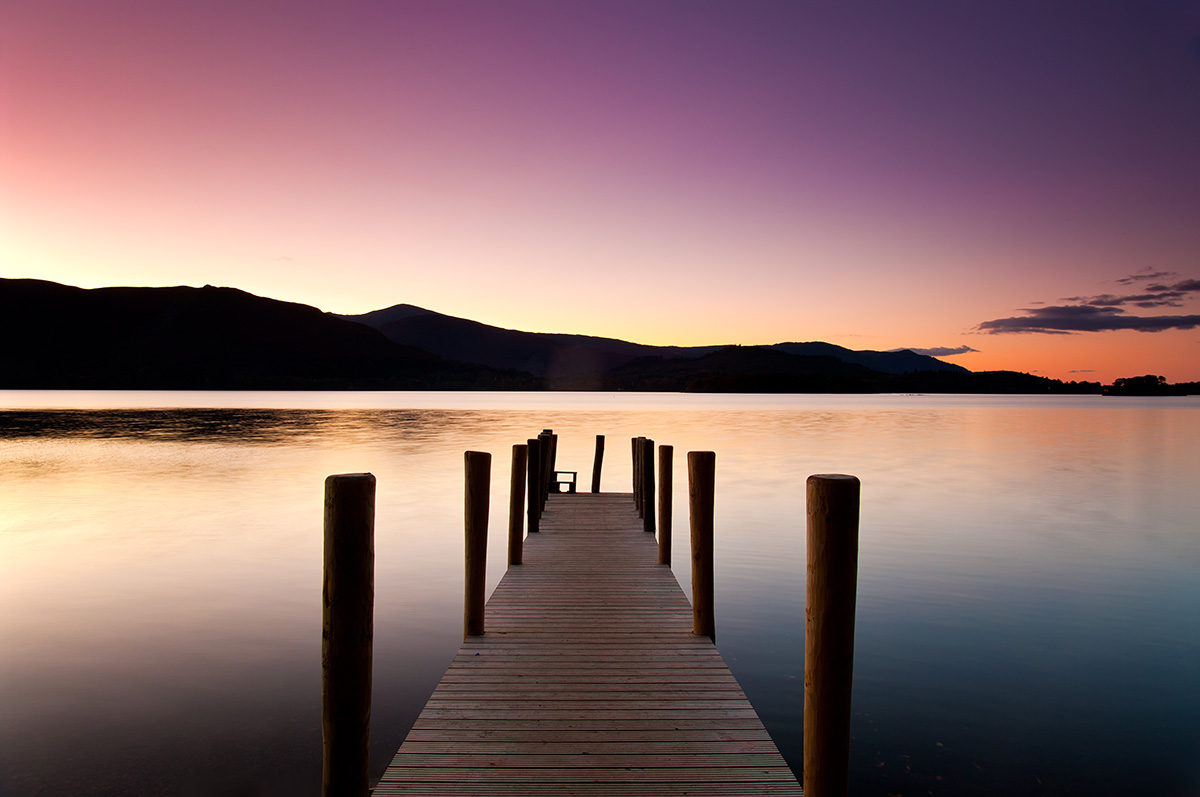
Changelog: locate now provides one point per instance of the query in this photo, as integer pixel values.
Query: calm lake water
(1029, 589)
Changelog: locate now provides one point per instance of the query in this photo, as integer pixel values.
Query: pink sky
(876, 175)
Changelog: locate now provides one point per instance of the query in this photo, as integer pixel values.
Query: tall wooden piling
(634, 469)
(597, 462)
(516, 504)
(665, 487)
(478, 487)
(833, 507)
(638, 473)
(648, 485)
(545, 444)
(702, 467)
(533, 484)
(348, 598)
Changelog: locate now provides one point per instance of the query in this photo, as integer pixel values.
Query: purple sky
(929, 174)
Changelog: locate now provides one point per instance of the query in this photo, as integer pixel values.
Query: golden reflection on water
(160, 553)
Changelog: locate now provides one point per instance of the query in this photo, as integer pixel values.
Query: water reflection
(1028, 608)
(228, 426)
(253, 427)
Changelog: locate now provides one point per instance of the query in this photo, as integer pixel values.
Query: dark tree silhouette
(1148, 385)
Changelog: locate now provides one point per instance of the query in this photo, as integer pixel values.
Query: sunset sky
(1020, 179)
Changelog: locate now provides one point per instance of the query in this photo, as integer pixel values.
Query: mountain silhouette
(582, 362)
(60, 336)
(744, 369)
(576, 362)
(886, 362)
(63, 337)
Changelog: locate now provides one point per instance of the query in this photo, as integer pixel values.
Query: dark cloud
(1068, 319)
(1105, 312)
(1082, 371)
(940, 351)
(1163, 298)
(1157, 295)
(1154, 275)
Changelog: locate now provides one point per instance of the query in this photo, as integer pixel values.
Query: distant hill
(887, 362)
(222, 338)
(573, 360)
(577, 362)
(744, 369)
(581, 362)
(60, 336)
(768, 369)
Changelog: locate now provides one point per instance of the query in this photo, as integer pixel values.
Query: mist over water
(1028, 607)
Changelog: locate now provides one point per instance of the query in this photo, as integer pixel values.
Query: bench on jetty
(564, 478)
(588, 681)
(592, 674)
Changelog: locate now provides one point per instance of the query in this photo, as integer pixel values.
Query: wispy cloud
(1133, 279)
(939, 351)
(1106, 312)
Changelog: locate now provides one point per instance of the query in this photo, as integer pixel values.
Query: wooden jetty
(588, 673)
(588, 680)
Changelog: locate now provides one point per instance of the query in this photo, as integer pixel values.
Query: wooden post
(648, 485)
(516, 504)
(833, 501)
(348, 597)
(702, 467)
(533, 484)
(597, 462)
(665, 487)
(553, 440)
(633, 442)
(638, 474)
(479, 476)
(544, 477)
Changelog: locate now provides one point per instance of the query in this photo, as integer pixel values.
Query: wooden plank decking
(588, 681)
